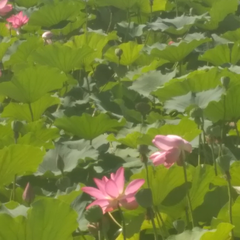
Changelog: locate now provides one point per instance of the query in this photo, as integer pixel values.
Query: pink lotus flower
(18, 20)
(171, 146)
(171, 42)
(110, 192)
(4, 7)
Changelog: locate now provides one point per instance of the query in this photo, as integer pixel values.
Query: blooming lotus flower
(171, 147)
(18, 20)
(4, 7)
(110, 192)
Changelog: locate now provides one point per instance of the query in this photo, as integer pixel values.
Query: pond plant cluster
(119, 119)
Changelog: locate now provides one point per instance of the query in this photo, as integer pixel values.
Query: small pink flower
(110, 192)
(171, 42)
(4, 7)
(171, 147)
(18, 20)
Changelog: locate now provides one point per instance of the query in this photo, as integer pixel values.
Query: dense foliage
(85, 88)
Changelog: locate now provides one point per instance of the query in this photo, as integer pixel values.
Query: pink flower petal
(3, 3)
(172, 155)
(111, 189)
(5, 10)
(100, 184)
(129, 204)
(119, 179)
(94, 192)
(187, 146)
(134, 186)
(103, 203)
(167, 142)
(158, 158)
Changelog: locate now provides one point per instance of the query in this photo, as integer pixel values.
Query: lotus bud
(143, 149)
(151, 2)
(94, 214)
(28, 194)
(47, 36)
(118, 52)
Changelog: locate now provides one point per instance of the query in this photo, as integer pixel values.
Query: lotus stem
(123, 223)
(187, 190)
(230, 200)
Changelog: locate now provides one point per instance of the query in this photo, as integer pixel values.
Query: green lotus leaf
(199, 99)
(184, 128)
(225, 109)
(158, 5)
(6, 134)
(88, 127)
(69, 156)
(151, 81)
(176, 51)
(55, 12)
(19, 111)
(222, 54)
(5, 44)
(12, 228)
(221, 233)
(202, 177)
(32, 83)
(130, 140)
(27, 3)
(196, 81)
(223, 215)
(118, 3)
(94, 40)
(38, 135)
(232, 35)
(218, 12)
(61, 57)
(177, 26)
(22, 54)
(17, 160)
(45, 213)
(131, 52)
(162, 180)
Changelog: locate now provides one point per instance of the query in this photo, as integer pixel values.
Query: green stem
(187, 190)
(214, 160)
(187, 216)
(123, 223)
(31, 112)
(238, 135)
(153, 224)
(159, 216)
(199, 150)
(230, 201)
(176, 8)
(128, 27)
(110, 20)
(12, 198)
(114, 220)
(147, 174)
